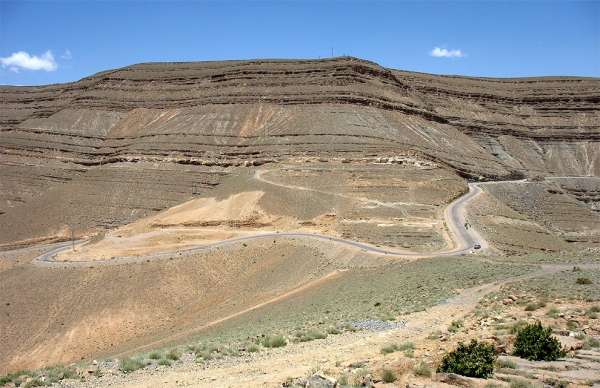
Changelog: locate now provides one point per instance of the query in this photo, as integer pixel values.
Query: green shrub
(535, 342)
(553, 312)
(592, 342)
(36, 382)
(130, 364)
(253, 348)
(592, 312)
(333, 330)
(473, 360)
(503, 363)
(531, 307)
(404, 346)
(520, 383)
(14, 377)
(155, 356)
(310, 335)
(59, 372)
(455, 326)
(388, 376)
(164, 362)
(390, 348)
(173, 355)
(274, 341)
(583, 281)
(422, 369)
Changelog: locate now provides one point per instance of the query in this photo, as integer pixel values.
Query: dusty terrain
(197, 209)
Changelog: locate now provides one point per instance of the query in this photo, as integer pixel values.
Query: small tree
(473, 360)
(535, 342)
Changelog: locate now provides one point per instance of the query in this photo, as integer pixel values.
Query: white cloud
(67, 55)
(22, 60)
(439, 52)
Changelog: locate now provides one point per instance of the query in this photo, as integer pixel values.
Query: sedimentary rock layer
(131, 141)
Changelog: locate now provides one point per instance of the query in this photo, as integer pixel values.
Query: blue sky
(49, 42)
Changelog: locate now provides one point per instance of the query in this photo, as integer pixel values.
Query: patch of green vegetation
(164, 362)
(36, 382)
(584, 281)
(553, 312)
(390, 348)
(572, 325)
(422, 369)
(434, 335)
(333, 331)
(388, 376)
(455, 326)
(535, 342)
(561, 285)
(155, 356)
(173, 355)
(399, 288)
(473, 360)
(15, 377)
(274, 341)
(42, 377)
(520, 383)
(535, 305)
(59, 372)
(310, 335)
(128, 365)
(504, 363)
(253, 348)
(591, 342)
(592, 312)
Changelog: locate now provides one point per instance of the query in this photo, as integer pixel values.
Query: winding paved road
(463, 238)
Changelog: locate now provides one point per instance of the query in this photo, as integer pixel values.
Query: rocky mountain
(125, 143)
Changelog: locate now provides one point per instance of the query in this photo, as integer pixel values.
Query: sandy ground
(273, 367)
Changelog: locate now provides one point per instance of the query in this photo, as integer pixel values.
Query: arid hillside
(126, 143)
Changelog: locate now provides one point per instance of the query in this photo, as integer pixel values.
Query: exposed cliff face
(128, 142)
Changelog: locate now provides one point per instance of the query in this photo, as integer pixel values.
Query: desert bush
(333, 331)
(173, 355)
(594, 309)
(592, 312)
(572, 325)
(310, 335)
(253, 348)
(455, 326)
(503, 363)
(164, 362)
(274, 341)
(388, 376)
(36, 382)
(583, 281)
(390, 348)
(59, 372)
(591, 342)
(535, 342)
(155, 356)
(531, 307)
(422, 369)
(473, 360)
(128, 365)
(14, 377)
(520, 383)
(553, 312)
